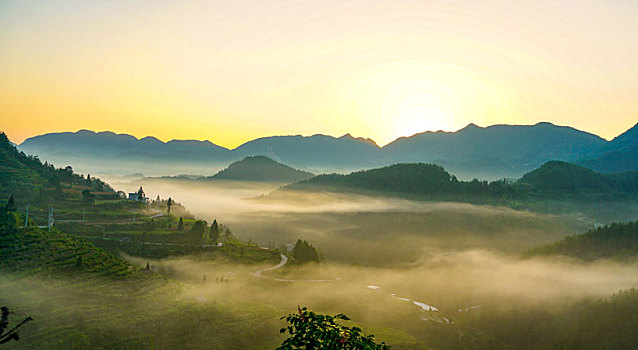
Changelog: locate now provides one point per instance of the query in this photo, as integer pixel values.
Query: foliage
(36, 182)
(214, 231)
(309, 330)
(198, 230)
(304, 252)
(415, 181)
(180, 225)
(554, 187)
(608, 323)
(616, 241)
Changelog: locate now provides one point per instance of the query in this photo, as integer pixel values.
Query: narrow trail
(220, 244)
(284, 260)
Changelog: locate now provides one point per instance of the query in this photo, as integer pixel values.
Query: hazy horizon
(235, 71)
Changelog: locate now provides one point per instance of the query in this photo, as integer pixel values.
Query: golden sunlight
(419, 112)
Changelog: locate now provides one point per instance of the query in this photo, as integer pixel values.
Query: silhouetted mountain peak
(366, 140)
(471, 126)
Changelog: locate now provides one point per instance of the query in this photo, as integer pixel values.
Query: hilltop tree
(169, 203)
(214, 231)
(88, 179)
(140, 193)
(304, 252)
(180, 225)
(12, 334)
(198, 230)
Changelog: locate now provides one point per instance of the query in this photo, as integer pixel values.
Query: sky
(232, 71)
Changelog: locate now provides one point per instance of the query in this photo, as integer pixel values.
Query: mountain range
(496, 151)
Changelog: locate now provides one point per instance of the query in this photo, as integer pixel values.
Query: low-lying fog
(399, 268)
(359, 229)
(443, 254)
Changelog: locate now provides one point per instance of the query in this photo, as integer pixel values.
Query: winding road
(284, 260)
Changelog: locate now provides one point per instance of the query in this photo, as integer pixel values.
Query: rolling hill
(261, 169)
(554, 181)
(413, 181)
(567, 179)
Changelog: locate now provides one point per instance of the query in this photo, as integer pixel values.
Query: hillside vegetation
(39, 183)
(553, 180)
(418, 181)
(433, 182)
(617, 241)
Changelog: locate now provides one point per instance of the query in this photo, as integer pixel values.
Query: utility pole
(26, 220)
(50, 218)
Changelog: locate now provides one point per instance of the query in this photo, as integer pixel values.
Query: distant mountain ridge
(620, 154)
(496, 151)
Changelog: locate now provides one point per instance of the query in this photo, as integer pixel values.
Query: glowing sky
(231, 71)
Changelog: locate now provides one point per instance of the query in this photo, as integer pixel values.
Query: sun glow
(418, 113)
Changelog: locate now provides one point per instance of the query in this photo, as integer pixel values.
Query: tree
(12, 334)
(11, 205)
(140, 194)
(87, 195)
(169, 202)
(214, 231)
(309, 330)
(304, 252)
(180, 226)
(88, 179)
(198, 230)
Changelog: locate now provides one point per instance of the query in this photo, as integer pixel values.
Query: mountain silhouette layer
(496, 151)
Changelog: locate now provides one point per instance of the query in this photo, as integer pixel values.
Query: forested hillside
(418, 181)
(261, 169)
(563, 177)
(617, 241)
(432, 182)
(39, 183)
